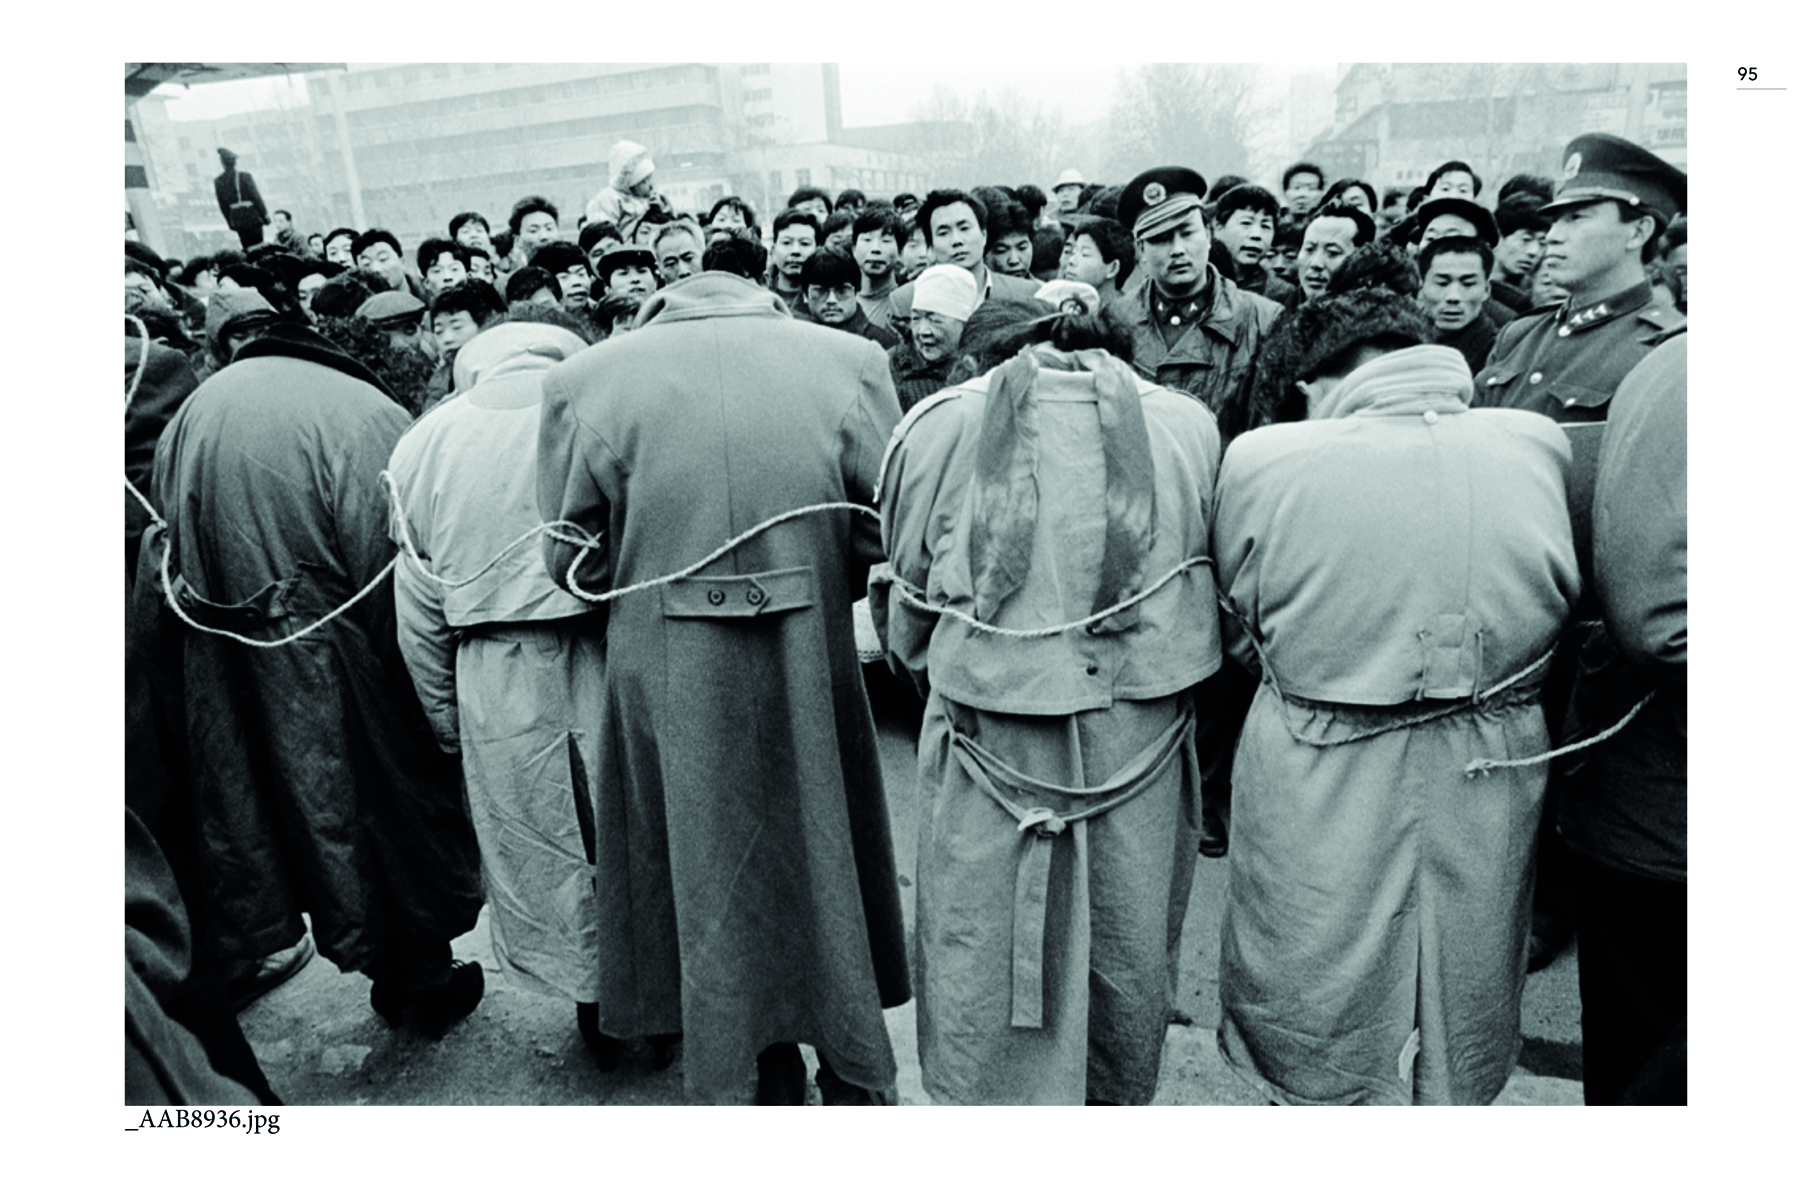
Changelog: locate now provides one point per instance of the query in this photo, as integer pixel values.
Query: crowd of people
(560, 568)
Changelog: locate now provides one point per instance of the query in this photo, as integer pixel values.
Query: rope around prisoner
(558, 530)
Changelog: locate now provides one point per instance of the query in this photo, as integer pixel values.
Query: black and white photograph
(894, 582)
(1204, 625)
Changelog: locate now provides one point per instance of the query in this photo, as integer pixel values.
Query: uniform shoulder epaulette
(1662, 319)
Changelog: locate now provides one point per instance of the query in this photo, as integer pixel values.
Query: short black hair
(828, 267)
(790, 216)
(502, 242)
(1366, 228)
(342, 295)
(1303, 168)
(1629, 214)
(838, 221)
(474, 297)
(194, 267)
(801, 195)
(1455, 245)
(1007, 217)
(883, 218)
(1521, 211)
(736, 256)
(154, 265)
(850, 198)
(1288, 236)
(556, 257)
(284, 213)
(527, 205)
(1340, 186)
(464, 219)
(613, 308)
(1377, 264)
(1674, 236)
(1223, 185)
(1522, 184)
(1449, 168)
(740, 205)
(342, 231)
(1243, 196)
(429, 252)
(942, 198)
(1392, 194)
(372, 237)
(1113, 241)
(903, 199)
(595, 232)
(1032, 196)
(528, 281)
(1047, 252)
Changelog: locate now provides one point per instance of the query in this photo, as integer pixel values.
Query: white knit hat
(947, 290)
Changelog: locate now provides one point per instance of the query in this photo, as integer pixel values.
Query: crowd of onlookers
(1424, 607)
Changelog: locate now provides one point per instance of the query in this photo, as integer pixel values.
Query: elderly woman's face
(935, 334)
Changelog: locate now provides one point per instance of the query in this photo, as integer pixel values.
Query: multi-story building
(1395, 122)
(405, 147)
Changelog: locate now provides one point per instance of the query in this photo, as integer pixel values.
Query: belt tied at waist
(1043, 823)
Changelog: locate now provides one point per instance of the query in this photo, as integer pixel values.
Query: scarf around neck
(1412, 379)
(1004, 487)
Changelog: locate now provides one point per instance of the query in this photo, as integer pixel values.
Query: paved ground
(320, 1043)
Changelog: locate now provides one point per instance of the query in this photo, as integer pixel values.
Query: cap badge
(1572, 167)
(1154, 193)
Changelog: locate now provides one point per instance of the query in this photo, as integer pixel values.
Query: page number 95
(1746, 75)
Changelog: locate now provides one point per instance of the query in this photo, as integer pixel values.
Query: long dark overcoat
(317, 782)
(746, 881)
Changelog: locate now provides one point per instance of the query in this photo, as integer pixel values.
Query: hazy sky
(873, 93)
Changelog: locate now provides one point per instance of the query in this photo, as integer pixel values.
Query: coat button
(755, 596)
(1093, 669)
(715, 595)
(1491, 381)
(1431, 416)
(1564, 331)
(1535, 378)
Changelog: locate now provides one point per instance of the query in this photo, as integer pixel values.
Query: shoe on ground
(606, 1051)
(780, 1075)
(839, 1093)
(439, 1008)
(1543, 951)
(436, 1007)
(661, 1048)
(248, 979)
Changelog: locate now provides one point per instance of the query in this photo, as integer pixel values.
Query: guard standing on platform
(1564, 361)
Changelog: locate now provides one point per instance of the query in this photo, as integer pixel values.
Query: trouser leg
(780, 1075)
(1632, 978)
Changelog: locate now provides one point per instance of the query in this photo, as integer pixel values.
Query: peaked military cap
(1160, 199)
(1600, 166)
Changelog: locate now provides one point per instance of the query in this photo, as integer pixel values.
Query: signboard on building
(1664, 119)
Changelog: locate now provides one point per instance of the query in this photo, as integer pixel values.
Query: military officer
(1193, 329)
(1565, 360)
